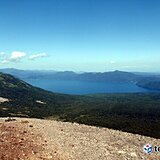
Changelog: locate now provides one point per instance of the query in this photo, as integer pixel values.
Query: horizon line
(52, 70)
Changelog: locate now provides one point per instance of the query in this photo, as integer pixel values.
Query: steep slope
(13, 87)
(26, 100)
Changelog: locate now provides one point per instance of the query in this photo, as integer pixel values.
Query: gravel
(72, 141)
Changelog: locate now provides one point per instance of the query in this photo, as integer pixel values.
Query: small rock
(50, 157)
(30, 125)
(24, 131)
(107, 153)
(10, 119)
(133, 154)
(121, 152)
(24, 121)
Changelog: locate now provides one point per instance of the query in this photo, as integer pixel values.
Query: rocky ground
(35, 139)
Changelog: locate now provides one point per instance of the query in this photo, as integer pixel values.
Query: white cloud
(112, 62)
(35, 56)
(5, 61)
(17, 55)
(2, 54)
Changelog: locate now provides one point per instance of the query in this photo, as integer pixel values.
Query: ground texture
(35, 139)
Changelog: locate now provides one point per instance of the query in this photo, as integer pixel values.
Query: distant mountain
(115, 76)
(147, 73)
(23, 74)
(145, 80)
(136, 113)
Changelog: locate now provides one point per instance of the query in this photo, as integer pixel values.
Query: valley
(132, 112)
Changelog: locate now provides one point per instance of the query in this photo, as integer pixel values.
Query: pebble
(133, 154)
(49, 157)
(121, 152)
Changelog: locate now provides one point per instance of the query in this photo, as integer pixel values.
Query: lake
(83, 87)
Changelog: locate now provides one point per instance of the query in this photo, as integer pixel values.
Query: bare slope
(63, 140)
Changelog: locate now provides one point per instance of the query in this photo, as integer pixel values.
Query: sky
(80, 35)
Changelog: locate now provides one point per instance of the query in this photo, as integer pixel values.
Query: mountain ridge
(89, 76)
(146, 81)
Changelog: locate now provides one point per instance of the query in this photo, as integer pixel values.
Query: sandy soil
(48, 139)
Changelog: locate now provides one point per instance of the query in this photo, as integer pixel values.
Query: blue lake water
(83, 87)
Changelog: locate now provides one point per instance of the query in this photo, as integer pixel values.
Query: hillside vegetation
(136, 113)
(150, 83)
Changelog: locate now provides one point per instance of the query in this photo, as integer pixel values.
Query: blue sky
(80, 35)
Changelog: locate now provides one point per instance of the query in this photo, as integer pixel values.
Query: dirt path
(47, 139)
